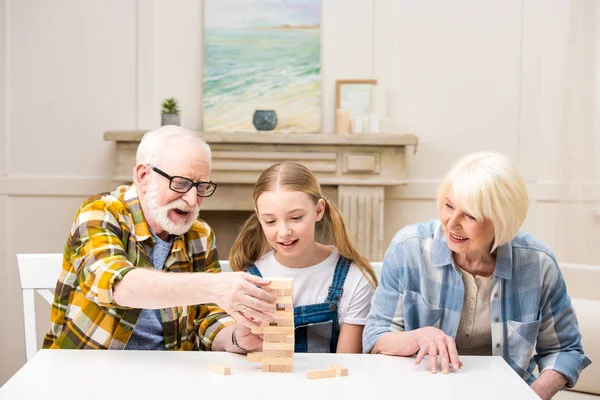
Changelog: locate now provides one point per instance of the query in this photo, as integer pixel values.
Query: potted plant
(170, 112)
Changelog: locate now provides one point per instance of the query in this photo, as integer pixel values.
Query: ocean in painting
(266, 68)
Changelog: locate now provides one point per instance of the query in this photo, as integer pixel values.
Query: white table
(68, 374)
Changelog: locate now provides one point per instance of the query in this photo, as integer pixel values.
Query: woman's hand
(434, 342)
(237, 293)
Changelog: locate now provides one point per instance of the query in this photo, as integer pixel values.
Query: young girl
(288, 236)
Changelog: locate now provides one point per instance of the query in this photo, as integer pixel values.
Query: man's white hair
(489, 186)
(155, 143)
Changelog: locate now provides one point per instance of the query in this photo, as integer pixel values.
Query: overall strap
(253, 270)
(339, 277)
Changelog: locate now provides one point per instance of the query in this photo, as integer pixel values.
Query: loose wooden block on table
(340, 369)
(320, 373)
(219, 369)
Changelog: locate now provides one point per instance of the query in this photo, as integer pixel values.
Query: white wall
(505, 75)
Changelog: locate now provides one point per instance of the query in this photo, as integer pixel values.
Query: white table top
(67, 374)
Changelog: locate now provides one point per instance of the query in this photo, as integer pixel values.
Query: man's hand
(246, 340)
(434, 342)
(237, 293)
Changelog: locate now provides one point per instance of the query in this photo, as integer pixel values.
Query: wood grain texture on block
(290, 339)
(320, 373)
(254, 357)
(275, 337)
(287, 330)
(219, 368)
(340, 369)
(278, 346)
(281, 368)
(279, 283)
(278, 361)
(269, 353)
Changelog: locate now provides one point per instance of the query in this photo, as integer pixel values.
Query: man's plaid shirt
(109, 238)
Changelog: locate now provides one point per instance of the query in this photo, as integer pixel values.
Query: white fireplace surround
(353, 171)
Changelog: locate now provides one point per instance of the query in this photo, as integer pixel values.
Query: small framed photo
(355, 96)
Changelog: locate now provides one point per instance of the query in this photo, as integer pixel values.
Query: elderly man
(139, 268)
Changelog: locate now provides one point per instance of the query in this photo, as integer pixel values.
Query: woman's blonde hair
(489, 186)
(251, 243)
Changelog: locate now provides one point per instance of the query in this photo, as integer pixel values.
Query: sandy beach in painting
(248, 69)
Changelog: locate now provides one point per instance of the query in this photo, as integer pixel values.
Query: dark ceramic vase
(264, 120)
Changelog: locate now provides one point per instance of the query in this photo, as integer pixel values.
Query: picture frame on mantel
(356, 96)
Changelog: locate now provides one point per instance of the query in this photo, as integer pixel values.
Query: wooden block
(279, 283)
(275, 337)
(289, 308)
(288, 330)
(340, 369)
(281, 368)
(266, 368)
(278, 346)
(320, 373)
(254, 357)
(283, 315)
(278, 361)
(269, 353)
(290, 339)
(219, 369)
(284, 299)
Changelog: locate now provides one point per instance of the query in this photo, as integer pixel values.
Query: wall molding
(53, 186)
(415, 189)
(542, 191)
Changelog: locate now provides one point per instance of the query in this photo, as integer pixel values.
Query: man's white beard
(160, 214)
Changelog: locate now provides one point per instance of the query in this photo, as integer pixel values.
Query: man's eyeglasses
(180, 184)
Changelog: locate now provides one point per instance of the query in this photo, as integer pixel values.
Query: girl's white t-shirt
(311, 286)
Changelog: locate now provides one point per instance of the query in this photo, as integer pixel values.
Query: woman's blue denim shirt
(529, 307)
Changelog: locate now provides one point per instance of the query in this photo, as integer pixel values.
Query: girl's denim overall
(316, 325)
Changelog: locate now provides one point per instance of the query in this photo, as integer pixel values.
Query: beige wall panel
(71, 77)
(571, 229)
(456, 86)
(401, 212)
(34, 225)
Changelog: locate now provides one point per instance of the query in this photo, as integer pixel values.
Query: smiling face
(466, 235)
(168, 212)
(288, 221)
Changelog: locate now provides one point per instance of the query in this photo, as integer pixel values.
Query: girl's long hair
(251, 243)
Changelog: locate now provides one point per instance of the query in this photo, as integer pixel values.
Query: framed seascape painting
(262, 65)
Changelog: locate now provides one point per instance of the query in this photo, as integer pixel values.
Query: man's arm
(232, 291)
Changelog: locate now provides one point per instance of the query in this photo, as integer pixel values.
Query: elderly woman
(472, 284)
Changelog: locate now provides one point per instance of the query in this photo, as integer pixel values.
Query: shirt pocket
(521, 339)
(418, 313)
(318, 337)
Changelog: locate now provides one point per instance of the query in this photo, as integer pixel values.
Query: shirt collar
(441, 255)
(141, 230)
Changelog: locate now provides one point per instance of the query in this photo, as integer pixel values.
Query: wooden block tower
(278, 345)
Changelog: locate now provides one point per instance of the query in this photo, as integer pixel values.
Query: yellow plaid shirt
(108, 239)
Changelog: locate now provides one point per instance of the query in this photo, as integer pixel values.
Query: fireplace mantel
(353, 170)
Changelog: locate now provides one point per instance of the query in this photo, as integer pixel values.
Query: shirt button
(127, 328)
(497, 345)
(467, 335)
(496, 294)
(471, 311)
(496, 319)
(472, 299)
(450, 332)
